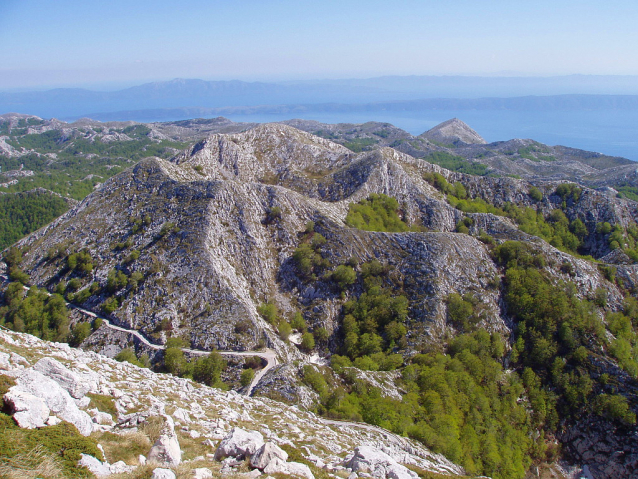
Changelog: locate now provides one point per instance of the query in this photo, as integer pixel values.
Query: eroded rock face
(373, 461)
(605, 448)
(239, 444)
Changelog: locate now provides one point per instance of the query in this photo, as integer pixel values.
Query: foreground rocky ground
(157, 425)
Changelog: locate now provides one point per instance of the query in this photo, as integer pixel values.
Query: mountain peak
(453, 131)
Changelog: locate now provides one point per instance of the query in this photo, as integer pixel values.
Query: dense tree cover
(461, 404)
(22, 213)
(34, 312)
(556, 335)
(376, 213)
(618, 237)
(556, 228)
(456, 163)
(373, 324)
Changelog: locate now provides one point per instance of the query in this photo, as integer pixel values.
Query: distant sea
(613, 133)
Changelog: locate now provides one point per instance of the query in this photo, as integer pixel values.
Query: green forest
(22, 213)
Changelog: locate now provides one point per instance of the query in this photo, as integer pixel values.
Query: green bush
(247, 376)
(376, 213)
(208, 369)
(344, 276)
(128, 355)
(269, 312)
(79, 333)
(307, 342)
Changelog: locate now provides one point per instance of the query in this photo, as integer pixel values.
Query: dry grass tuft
(36, 463)
(126, 446)
(152, 427)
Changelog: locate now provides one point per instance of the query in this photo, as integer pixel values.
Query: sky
(103, 45)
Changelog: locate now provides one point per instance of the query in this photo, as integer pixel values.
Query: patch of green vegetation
(34, 312)
(62, 444)
(22, 213)
(460, 404)
(103, 402)
(358, 145)
(6, 383)
(556, 333)
(630, 192)
(540, 153)
(307, 256)
(456, 163)
(376, 213)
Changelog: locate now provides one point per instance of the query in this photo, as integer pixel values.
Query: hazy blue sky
(66, 42)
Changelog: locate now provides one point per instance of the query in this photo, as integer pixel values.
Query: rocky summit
(489, 318)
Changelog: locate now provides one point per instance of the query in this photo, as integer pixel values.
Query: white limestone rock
(166, 449)
(293, 468)
(5, 363)
(57, 399)
(94, 465)
(266, 453)
(161, 473)
(120, 467)
(67, 379)
(29, 411)
(239, 443)
(202, 473)
(370, 460)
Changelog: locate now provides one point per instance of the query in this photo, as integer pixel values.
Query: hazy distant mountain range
(188, 98)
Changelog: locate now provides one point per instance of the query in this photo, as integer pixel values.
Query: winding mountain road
(269, 355)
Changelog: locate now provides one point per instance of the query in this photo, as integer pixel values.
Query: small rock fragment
(161, 473)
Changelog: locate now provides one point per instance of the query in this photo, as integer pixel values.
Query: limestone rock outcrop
(166, 449)
(239, 444)
(377, 463)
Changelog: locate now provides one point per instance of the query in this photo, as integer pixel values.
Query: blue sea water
(613, 133)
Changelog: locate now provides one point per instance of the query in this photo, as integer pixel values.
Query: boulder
(202, 473)
(94, 465)
(372, 461)
(239, 443)
(292, 468)
(161, 473)
(266, 453)
(28, 411)
(166, 449)
(57, 399)
(120, 467)
(181, 415)
(67, 379)
(5, 364)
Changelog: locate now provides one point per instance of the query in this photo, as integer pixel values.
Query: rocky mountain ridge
(197, 245)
